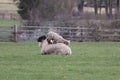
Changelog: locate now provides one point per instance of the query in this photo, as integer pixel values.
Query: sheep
(58, 48)
(56, 38)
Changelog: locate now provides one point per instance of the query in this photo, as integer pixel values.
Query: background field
(89, 61)
(8, 23)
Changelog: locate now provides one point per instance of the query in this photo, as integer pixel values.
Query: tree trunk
(106, 7)
(96, 7)
(81, 5)
(118, 4)
(110, 8)
(117, 9)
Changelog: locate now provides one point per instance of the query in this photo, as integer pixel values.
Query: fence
(109, 34)
(9, 16)
(6, 33)
(31, 33)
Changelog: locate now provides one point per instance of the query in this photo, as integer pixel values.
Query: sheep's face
(67, 42)
(40, 40)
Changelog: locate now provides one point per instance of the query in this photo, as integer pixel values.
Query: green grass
(9, 23)
(89, 61)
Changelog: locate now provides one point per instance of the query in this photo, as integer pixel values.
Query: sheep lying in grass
(58, 48)
(56, 38)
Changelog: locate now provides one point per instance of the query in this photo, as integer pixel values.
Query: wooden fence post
(15, 33)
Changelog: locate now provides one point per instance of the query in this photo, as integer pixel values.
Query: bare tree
(96, 6)
(108, 6)
(117, 8)
(81, 5)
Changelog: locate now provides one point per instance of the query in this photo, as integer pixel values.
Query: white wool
(58, 48)
(57, 38)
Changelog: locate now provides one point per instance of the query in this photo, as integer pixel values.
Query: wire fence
(31, 33)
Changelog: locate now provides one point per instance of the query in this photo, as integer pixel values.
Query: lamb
(58, 48)
(56, 38)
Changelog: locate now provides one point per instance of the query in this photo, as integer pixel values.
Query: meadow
(89, 61)
(8, 23)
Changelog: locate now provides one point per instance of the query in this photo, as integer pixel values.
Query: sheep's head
(67, 42)
(41, 38)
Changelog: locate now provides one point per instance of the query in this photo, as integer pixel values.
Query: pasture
(89, 61)
(8, 23)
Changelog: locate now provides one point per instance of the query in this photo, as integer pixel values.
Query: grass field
(89, 61)
(8, 23)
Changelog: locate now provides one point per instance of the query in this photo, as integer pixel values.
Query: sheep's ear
(40, 39)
